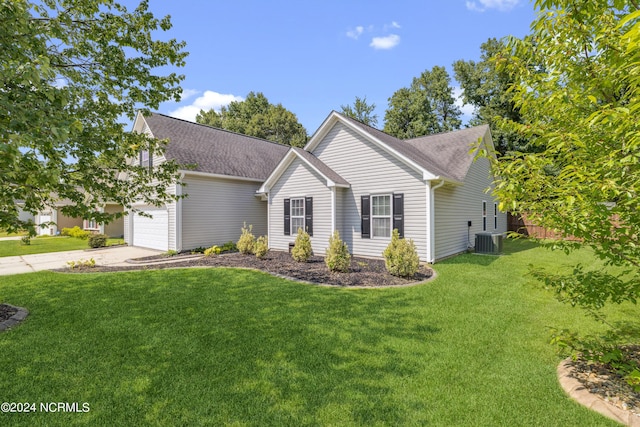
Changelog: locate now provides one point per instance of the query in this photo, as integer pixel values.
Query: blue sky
(313, 56)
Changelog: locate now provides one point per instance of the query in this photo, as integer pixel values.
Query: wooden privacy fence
(521, 225)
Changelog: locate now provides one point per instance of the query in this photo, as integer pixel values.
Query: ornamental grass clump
(337, 256)
(261, 247)
(302, 251)
(401, 257)
(247, 240)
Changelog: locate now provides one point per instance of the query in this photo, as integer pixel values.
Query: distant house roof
(216, 151)
(446, 154)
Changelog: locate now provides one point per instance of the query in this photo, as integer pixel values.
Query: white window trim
(294, 230)
(484, 215)
(143, 161)
(390, 216)
(495, 216)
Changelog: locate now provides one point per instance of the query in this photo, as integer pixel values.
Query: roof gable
(215, 151)
(445, 156)
(331, 177)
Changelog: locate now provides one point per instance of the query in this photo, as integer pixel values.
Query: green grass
(45, 244)
(41, 245)
(5, 234)
(238, 347)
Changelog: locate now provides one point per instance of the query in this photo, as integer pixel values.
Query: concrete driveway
(112, 256)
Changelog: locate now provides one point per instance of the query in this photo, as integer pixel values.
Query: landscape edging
(577, 391)
(18, 317)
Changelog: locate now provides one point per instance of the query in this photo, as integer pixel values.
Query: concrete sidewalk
(112, 256)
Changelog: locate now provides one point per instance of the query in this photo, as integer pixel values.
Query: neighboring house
(58, 220)
(220, 189)
(362, 182)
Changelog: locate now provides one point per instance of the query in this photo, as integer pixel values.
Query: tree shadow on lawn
(221, 346)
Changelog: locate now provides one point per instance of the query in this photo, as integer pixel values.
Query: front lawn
(44, 244)
(227, 346)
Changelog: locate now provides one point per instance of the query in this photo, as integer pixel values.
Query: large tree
(426, 107)
(361, 111)
(486, 88)
(256, 116)
(580, 110)
(71, 71)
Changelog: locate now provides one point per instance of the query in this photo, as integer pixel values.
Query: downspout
(178, 217)
(432, 220)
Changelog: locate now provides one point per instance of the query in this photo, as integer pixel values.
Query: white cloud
(468, 109)
(188, 93)
(355, 33)
(207, 101)
(387, 42)
(501, 5)
(393, 24)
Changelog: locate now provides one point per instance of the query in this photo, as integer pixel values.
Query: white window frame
(484, 215)
(372, 216)
(144, 161)
(495, 216)
(294, 230)
(91, 224)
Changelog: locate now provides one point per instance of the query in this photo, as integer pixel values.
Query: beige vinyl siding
(370, 170)
(455, 205)
(116, 227)
(301, 181)
(216, 208)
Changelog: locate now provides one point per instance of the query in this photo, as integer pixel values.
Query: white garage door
(152, 232)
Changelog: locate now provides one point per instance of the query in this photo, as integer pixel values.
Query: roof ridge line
(221, 129)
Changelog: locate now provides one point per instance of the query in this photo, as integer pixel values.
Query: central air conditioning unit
(488, 243)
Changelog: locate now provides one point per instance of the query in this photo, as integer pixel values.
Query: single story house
(220, 189)
(364, 183)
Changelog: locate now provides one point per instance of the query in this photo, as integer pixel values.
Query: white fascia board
(186, 172)
(335, 117)
(330, 182)
(277, 172)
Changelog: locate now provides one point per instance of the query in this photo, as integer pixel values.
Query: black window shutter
(398, 213)
(365, 219)
(287, 217)
(308, 214)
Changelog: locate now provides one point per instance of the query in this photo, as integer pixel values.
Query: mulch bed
(6, 311)
(363, 272)
(603, 380)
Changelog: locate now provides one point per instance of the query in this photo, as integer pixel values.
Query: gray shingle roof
(321, 166)
(451, 150)
(215, 150)
(444, 154)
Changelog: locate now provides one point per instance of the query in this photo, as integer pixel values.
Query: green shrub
(247, 240)
(213, 250)
(401, 257)
(26, 240)
(76, 232)
(170, 253)
(229, 247)
(337, 256)
(98, 240)
(302, 251)
(261, 246)
(198, 250)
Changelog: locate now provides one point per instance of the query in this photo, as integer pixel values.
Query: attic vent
(488, 243)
